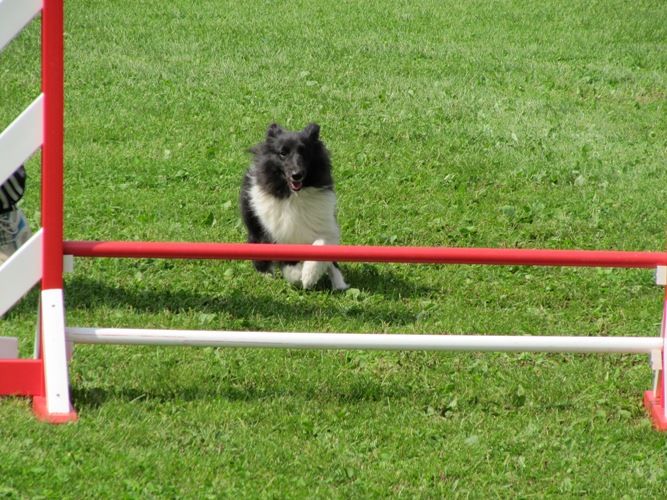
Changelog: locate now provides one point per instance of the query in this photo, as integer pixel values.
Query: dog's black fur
(284, 155)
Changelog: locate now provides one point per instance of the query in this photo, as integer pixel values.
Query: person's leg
(14, 229)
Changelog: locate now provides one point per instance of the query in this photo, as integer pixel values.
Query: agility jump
(47, 255)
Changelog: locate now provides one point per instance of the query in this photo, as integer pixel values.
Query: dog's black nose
(297, 176)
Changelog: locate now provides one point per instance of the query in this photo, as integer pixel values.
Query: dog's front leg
(313, 270)
(336, 277)
(292, 271)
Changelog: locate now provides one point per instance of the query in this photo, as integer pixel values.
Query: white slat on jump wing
(9, 348)
(22, 138)
(20, 272)
(14, 15)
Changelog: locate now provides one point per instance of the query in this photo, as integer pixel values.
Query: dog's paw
(311, 274)
(292, 273)
(336, 278)
(340, 287)
(264, 266)
(309, 280)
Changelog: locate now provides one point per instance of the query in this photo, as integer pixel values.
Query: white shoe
(14, 232)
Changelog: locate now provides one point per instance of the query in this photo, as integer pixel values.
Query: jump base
(656, 411)
(40, 410)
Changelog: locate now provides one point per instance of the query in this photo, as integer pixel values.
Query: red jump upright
(41, 258)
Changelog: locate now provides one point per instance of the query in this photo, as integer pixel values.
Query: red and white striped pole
(55, 406)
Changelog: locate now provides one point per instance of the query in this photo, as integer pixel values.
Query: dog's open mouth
(295, 185)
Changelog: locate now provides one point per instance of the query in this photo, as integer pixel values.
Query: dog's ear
(312, 131)
(274, 130)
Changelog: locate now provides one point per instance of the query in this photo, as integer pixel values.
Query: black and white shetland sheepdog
(288, 197)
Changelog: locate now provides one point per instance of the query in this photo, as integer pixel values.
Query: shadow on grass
(361, 389)
(384, 289)
(372, 278)
(252, 302)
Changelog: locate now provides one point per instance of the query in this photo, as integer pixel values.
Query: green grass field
(502, 124)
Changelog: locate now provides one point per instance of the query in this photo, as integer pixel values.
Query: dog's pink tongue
(296, 186)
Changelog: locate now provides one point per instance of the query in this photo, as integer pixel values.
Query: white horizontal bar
(14, 15)
(363, 341)
(20, 272)
(9, 348)
(21, 138)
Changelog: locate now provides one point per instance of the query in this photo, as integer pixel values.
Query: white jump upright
(45, 378)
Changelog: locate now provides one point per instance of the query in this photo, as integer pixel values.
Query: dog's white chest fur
(302, 218)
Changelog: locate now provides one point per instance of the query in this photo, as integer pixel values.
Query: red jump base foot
(655, 410)
(41, 412)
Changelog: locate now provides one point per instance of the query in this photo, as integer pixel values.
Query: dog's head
(294, 159)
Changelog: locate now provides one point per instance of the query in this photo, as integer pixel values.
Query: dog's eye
(283, 153)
